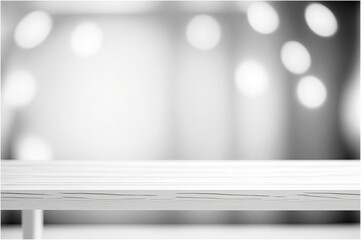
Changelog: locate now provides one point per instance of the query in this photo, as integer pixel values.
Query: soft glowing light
(203, 32)
(311, 92)
(321, 20)
(33, 29)
(30, 147)
(262, 17)
(87, 39)
(19, 89)
(251, 78)
(350, 113)
(295, 57)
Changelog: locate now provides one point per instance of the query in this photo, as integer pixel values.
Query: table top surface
(180, 185)
(181, 175)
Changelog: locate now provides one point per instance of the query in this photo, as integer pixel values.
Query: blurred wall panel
(315, 133)
(10, 15)
(113, 105)
(204, 100)
(261, 114)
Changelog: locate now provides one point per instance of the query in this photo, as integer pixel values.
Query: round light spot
(19, 89)
(295, 57)
(203, 32)
(33, 29)
(311, 92)
(321, 20)
(30, 147)
(87, 39)
(262, 17)
(251, 78)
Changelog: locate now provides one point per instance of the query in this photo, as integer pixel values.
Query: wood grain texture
(181, 185)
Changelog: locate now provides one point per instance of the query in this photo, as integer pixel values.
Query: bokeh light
(19, 89)
(311, 92)
(33, 29)
(295, 57)
(203, 32)
(30, 147)
(251, 78)
(262, 17)
(321, 20)
(86, 39)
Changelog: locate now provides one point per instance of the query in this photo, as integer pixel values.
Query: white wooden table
(33, 186)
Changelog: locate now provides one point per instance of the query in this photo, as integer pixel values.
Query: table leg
(32, 223)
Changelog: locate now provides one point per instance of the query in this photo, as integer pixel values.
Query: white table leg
(32, 223)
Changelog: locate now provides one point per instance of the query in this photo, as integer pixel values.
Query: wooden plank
(181, 185)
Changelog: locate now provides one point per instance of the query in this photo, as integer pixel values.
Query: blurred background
(180, 80)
